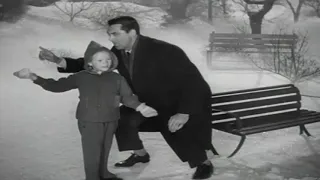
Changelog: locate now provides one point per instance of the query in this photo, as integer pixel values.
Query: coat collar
(134, 46)
(96, 73)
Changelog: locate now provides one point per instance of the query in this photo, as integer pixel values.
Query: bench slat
(267, 118)
(253, 46)
(250, 41)
(261, 51)
(230, 126)
(252, 95)
(253, 89)
(246, 121)
(270, 122)
(257, 103)
(280, 125)
(276, 118)
(258, 111)
(274, 36)
(279, 120)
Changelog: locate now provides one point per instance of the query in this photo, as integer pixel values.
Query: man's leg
(190, 144)
(127, 136)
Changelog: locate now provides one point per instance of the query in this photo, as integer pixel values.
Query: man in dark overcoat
(161, 75)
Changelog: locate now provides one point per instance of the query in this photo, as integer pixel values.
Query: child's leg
(91, 138)
(109, 130)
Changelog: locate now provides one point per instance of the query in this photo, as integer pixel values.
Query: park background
(39, 139)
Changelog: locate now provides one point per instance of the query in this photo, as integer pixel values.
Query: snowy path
(53, 152)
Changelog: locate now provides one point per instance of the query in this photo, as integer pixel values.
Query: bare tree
(314, 4)
(102, 16)
(210, 10)
(256, 16)
(296, 12)
(178, 9)
(73, 9)
(224, 6)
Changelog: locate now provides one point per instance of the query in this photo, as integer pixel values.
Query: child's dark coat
(100, 95)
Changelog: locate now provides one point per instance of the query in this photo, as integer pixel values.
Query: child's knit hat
(95, 47)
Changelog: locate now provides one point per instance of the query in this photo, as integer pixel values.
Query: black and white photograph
(159, 89)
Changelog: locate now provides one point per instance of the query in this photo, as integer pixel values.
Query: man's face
(120, 38)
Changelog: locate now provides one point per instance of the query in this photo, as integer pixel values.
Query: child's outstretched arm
(131, 100)
(60, 85)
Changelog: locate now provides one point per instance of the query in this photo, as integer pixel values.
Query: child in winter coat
(101, 92)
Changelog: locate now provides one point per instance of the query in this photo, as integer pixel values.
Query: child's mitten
(24, 73)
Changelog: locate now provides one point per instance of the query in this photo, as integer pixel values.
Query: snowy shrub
(297, 65)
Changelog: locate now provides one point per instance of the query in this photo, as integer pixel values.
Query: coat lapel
(139, 56)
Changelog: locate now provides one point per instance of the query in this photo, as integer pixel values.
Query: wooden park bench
(250, 43)
(257, 110)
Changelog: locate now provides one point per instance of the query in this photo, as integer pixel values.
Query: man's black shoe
(203, 171)
(111, 178)
(132, 160)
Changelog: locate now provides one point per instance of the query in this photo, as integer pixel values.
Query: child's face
(101, 61)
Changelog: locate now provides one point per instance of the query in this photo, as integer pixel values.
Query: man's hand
(25, 74)
(146, 111)
(177, 121)
(48, 55)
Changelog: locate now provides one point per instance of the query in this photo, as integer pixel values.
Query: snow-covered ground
(39, 139)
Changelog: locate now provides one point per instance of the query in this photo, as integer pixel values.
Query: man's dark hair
(127, 23)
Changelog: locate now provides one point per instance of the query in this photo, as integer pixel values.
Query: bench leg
(243, 138)
(304, 129)
(214, 151)
(209, 58)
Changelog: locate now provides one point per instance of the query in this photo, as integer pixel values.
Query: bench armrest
(238, 119)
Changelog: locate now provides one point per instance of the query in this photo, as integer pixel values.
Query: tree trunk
(210, 10)
(178, 9)
(296, 13)
(224, 7)
(257, 17)
(255, 23)
(296, 17)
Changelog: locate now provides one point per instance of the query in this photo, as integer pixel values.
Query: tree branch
(291, 6)
(267, 6)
